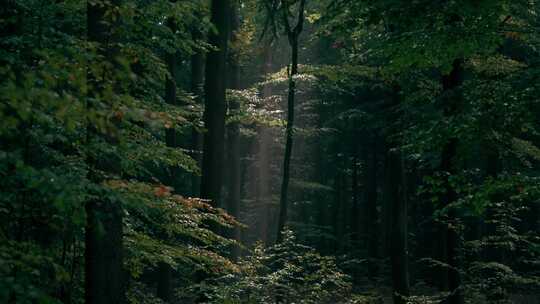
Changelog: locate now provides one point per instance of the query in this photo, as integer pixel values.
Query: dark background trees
(413, 176)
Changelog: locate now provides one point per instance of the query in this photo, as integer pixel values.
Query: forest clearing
(270, 152)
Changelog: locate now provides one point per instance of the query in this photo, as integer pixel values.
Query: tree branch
(300, 22)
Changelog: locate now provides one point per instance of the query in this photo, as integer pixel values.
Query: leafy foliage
(64, 142)
(285, 271)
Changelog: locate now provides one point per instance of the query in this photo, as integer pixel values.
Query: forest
(270, 151)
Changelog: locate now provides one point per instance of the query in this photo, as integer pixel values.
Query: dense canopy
(270, 151)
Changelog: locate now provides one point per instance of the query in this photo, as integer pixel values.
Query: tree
(396, 199)
(399, 238)
(104, 274)
(164, 289)
(215, 103)
(426, 124)
(233, 130)
(450, 234)
(371, 194)
(293, 33)
(196, 87)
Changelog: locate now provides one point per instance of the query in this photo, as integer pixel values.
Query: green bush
(284, 273)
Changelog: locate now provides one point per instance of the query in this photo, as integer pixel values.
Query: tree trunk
(370, 182)
(450, 234)
(395, 179)
(197, 83)
(164, 271)
(386, 212)
(283, 204)
(164, 282)
(233, 136)
(170, 98)
(355, 215)
(338, 210)
(215, 104)
(395, 203)
(104, 282)
(293, 35)
(104, 277)
(355, 212)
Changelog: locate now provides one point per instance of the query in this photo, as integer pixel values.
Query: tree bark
(355, 212)
(233, 135)
(370, 182)
(355, 216)
(293, 35)
(386, 212)
(215, 104)
(164, 271)
(164, 282)
(104, 277)
(395, 178)
(338, 210)
(449, 233)
(104, 282)
(170, 92)
(395, 196)
(197, 83)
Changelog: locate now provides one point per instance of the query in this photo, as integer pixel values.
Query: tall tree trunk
(293, 35)
(338, 210)
(197, 83)
(450, 234)
(397, 196)
(370, 182)
(233, 134)
(386, 211)
(164, 271)
(170, 82)
(104, 281)
(104, 277)
(164, 282)
(283, 204)
(355, 215)
(355, 212)
(215, 104)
